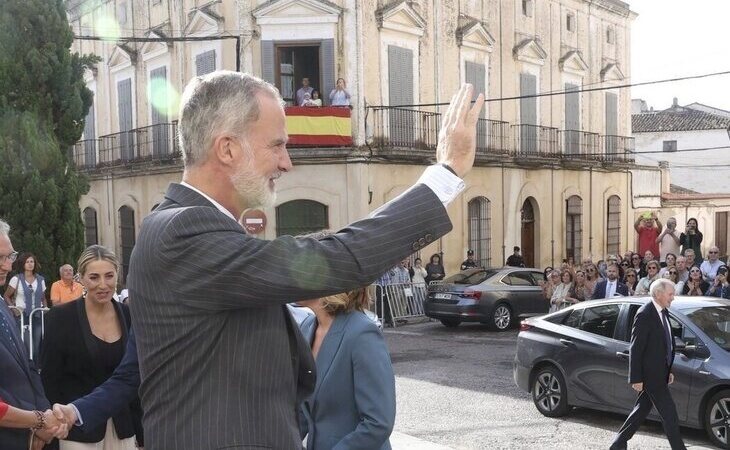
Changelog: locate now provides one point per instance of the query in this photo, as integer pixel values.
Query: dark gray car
(579, 357)
(494, 297)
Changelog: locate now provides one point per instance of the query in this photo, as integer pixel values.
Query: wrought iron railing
(618, 148)
(152, 143)
(535, 140)
(405, 128)
(579, 144)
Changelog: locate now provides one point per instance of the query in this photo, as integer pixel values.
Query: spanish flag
(328, 126)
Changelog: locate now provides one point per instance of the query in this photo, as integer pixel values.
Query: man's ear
(225, 149)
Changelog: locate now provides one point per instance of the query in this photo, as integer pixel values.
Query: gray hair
(63, 266)
(4, 228)
(221, 101)
(660, 285)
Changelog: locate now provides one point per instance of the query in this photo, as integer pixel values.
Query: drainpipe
(552, 218)
(590, 212)
(504, 225)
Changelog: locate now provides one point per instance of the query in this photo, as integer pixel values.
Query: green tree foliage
(43, 102)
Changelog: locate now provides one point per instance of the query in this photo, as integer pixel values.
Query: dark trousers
(660, 397)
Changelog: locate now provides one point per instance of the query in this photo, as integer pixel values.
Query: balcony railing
(492, 137)
(405, 128)
(580, 144)
(618, 148)
(153, 143)
(535, 140)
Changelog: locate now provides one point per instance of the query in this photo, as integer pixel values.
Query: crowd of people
(663, 253)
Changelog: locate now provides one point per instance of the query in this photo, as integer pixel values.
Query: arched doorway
(528, 219)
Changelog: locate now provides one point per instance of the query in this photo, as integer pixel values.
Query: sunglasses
(712, 253)
(625, 264)
(636, 257)
(694, 271)
(671, 272)
(631, 275)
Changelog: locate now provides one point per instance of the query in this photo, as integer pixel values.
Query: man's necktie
(667, 335)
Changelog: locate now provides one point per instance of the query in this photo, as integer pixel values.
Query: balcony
(580, 144)
(535, 140)
(618, 148)
(147, 144)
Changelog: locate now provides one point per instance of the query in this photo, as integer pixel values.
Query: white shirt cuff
(79, 420)
(443, 183)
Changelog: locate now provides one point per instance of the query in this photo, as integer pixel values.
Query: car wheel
(450, 323)
(501, 318)
(717, 418)
(549, 392)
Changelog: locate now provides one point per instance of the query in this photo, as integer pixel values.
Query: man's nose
(285, 164)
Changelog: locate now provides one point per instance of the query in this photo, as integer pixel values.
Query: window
(669, 146)
(480, 234)
(294, 64)
(721, 231)
(122, 13)
(610, 35)
(573, 320)
(126, 120)
(600, 320)
(127, 239)
(527, 6)
(90, 139)
(300, 217)
(402, 121)
(570, 22)
(682, 332)
(521, 279)
(91, 236)
(158, 109)
(574, 228)
(613, 225)
(205, 63)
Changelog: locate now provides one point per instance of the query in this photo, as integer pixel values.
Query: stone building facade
(553, 173)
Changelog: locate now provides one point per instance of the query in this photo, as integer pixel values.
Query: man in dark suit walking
(650, 367)
(221, 362)
(611, 286)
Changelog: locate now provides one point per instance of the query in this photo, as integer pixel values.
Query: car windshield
(474, 276)
(714, 321)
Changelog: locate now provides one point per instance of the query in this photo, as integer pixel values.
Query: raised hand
(457, 138)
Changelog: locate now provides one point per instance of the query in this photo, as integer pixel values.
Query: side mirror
(679, 344)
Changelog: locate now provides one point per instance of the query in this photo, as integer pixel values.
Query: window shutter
(205, 63)
(160, 134)
(327, 58)
(124, 99)
(476, 75)
(267, 61)
(572, 119)
(400, 92)
(528, 113)
(90, 138)
(669, 146)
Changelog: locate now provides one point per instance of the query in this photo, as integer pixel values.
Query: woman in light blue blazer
(353, 404)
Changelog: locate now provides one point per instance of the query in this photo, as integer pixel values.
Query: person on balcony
(339, 95)
(306, 89)
(314, 101)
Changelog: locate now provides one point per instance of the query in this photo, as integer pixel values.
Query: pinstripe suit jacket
(222, 364)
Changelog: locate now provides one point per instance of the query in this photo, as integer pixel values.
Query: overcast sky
(673, 38)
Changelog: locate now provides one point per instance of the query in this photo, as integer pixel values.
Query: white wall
(700, 179)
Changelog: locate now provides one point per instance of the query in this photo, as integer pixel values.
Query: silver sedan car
(495, 297)
(580, 357)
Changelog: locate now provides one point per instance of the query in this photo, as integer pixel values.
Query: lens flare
(163, 97)
(108, 28)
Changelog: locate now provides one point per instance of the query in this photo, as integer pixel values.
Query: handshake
(55, 423)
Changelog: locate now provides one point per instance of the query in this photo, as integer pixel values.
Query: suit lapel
(16, 348)
(330, 347)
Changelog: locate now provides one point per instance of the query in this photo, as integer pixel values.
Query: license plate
(443, 296)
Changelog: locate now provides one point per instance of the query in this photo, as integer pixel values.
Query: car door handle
(567, 342)
(622, 354)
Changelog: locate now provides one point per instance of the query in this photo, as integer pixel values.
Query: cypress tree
(43, 103)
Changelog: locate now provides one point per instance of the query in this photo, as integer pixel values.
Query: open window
(295, 62)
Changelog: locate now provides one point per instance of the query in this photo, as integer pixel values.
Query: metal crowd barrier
(400, 301)
(42, 311)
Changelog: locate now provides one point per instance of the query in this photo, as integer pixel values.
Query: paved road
(455, 388)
